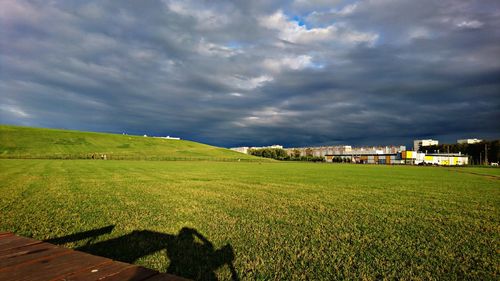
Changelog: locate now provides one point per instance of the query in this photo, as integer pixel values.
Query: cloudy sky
(233, 73)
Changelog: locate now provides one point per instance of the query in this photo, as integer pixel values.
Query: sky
(252, 73)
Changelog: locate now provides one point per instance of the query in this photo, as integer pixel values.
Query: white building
(442, 159)
(469, 141)
(417, 144)
(243, 149)
(271, 146)
(170, 138)
(321, 151)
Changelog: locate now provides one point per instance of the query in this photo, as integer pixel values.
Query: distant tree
(281, 154)
(267, 153)
(337, 159)
(255, 152)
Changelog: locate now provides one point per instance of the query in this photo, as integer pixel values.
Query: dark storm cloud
(254, 72)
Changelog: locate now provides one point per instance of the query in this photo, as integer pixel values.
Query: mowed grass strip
(285, 221)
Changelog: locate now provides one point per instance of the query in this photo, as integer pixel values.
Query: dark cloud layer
(255, 72)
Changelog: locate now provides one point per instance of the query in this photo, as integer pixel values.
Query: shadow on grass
(90, 236)
(191, 255)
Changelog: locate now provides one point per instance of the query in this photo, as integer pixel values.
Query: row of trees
(274, 153)
(338, 159)
(280, 154)
(476, 151)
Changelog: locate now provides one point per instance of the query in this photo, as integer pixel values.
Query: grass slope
(285, 221)
(24, 142)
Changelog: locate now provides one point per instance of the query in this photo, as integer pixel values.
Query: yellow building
(444, 159)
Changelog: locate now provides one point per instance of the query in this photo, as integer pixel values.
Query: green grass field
(40, 143)
(283, 221)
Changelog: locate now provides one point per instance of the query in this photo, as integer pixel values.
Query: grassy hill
(25, 142)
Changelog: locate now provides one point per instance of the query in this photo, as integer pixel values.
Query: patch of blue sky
(299, 20)
(234, 45)
(317, 65)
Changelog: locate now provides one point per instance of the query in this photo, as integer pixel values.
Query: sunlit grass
(284, 220)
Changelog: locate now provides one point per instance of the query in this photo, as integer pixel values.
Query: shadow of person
(88, 236)
(190, 248)
(190, 253)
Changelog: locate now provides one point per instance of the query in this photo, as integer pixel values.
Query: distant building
(417, 144)
(469, 141)
(442, 159)
(402, 158)
(338, 150)
(388, 155)
(169, 138)
(271, 146)
(368, 158)
(244, 149)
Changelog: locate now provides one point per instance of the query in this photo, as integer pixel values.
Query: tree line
(280, 154)
(338, 159)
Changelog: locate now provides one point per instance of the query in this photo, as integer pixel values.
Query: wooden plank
(51, 267)
(19, 257)
(24, 250)
(98, 272)
(4, 233)
(133, 273)
(25, 259)
(6, 238)
(13, 241)
(119, 271)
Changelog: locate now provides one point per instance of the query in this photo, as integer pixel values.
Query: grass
(284, 221)
(39, 143)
